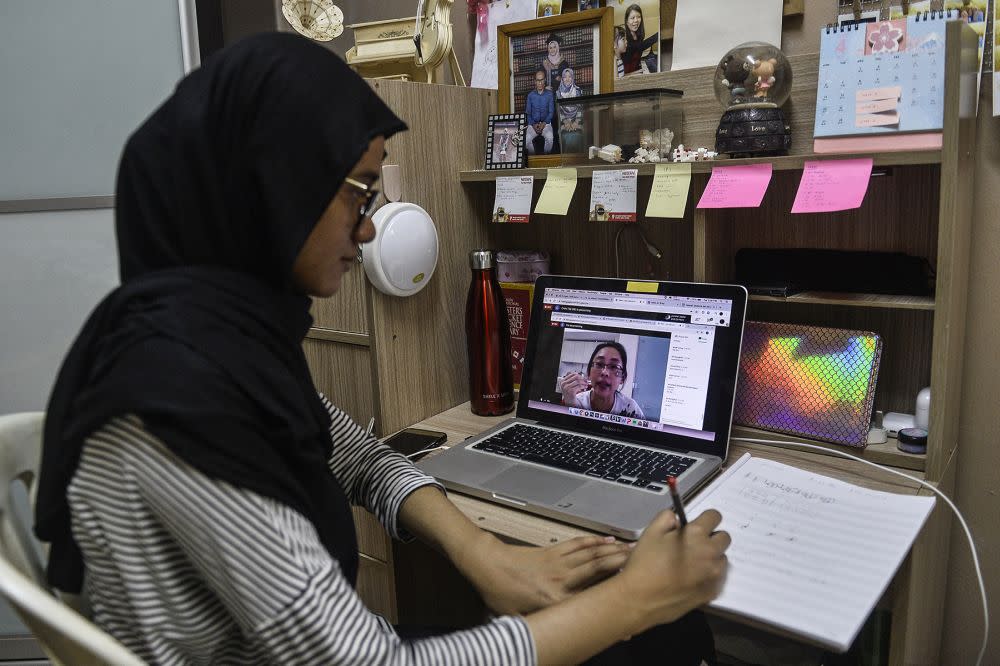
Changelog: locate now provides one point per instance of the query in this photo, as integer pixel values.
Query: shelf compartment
(887, 301)
(882, 454)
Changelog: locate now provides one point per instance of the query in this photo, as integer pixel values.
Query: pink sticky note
(869, 94)
(832, 185)
(876, 119)
(876, 106)
(736, 186)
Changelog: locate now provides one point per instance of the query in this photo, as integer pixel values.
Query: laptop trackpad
(531, 484)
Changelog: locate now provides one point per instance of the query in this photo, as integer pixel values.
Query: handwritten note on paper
(736, 186)
(669, 195)
(612, 195)
(512, 202)
(560, 184)
(831, 185)
(809, 553)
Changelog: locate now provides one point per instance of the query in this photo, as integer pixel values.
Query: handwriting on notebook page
(809, 553)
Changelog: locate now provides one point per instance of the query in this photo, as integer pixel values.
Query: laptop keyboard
(598, 458)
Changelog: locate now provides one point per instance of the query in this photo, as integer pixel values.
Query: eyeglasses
(613, 368)
(369, 194)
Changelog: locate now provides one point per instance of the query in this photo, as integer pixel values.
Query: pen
(678, 504)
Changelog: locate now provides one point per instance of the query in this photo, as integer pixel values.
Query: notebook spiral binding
(935, 14)
(833, 28)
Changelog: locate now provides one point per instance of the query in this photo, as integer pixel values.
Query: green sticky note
(669, 195)
(558, 192)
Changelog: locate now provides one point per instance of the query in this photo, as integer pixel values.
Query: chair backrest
(66, 636)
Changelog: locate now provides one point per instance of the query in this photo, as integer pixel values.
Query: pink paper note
(736, 186)
(869, 94)
(877, 106)
(832, 185)
(876, 119)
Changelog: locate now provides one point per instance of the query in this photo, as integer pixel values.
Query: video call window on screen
(640, 361)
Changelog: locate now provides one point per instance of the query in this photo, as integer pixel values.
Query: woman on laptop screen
(600, 390)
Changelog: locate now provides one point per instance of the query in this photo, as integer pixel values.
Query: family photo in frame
(636, 41)
(555, 58)
(505, 141)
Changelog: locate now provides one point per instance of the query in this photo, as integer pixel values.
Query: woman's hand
(673, 571)
(572, 383)
(520, 579)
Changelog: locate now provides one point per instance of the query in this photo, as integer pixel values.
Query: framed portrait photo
(505, 140)
(542, 60)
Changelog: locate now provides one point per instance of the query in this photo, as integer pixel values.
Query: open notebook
(810, 555)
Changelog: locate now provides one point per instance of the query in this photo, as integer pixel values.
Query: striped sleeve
(259, 560)
(372, 474)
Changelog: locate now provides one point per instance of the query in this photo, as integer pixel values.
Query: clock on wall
(316, 19)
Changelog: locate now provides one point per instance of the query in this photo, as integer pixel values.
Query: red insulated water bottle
(487, 335)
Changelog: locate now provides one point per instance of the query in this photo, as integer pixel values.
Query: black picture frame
(505, 135)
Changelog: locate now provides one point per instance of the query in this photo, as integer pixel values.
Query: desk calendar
(882, 78)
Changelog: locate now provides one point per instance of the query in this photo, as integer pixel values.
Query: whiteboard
(76, 78)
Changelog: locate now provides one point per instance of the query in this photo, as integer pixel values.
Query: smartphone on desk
(417, 441)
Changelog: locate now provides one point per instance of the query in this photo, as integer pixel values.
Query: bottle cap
(481, 259)
(912, 440)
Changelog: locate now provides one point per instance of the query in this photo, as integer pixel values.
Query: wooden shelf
(784, 163)
(883, 454)
(890, 302)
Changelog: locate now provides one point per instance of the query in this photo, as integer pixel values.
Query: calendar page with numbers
(884, 77)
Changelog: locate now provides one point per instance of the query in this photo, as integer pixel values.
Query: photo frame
(505, 140)
(577, 41)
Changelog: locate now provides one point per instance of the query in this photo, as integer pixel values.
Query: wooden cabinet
(918, 202)
(403, 360)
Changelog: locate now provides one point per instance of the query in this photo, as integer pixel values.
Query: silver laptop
(625, 383)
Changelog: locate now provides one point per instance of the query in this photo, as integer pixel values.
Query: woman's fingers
(586, 556)
(597, 569)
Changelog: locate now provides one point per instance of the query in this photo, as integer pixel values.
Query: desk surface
(460, 423)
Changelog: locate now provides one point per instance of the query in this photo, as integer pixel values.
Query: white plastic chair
(65, 635)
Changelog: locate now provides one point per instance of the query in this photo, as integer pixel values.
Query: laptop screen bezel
(724, 367)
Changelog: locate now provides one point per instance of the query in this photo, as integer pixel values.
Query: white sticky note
(512, 202)
(612, 195)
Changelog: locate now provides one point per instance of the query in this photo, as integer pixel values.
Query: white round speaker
(401, 259)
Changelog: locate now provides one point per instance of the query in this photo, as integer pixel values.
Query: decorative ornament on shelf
(752, 81)
(682, 154)
(316, 19)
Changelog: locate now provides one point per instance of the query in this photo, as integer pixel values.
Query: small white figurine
(681, 154)
(657, 141)
(609, 153)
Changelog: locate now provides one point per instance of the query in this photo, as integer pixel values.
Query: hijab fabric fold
(217, 192)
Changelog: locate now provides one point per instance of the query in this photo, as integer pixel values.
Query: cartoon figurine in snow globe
(752, 81)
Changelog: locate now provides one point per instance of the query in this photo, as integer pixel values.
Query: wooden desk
(521, 527)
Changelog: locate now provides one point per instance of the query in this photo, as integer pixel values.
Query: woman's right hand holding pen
(572, 383)
(672, 571)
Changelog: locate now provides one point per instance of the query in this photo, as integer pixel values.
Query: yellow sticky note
(558, 192)
(669, 195)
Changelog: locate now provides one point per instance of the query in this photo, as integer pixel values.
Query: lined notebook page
(810, 554)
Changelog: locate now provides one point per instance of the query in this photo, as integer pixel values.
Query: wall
(54, 267)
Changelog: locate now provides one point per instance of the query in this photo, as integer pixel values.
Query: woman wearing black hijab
(195, 484)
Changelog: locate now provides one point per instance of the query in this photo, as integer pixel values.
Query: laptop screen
(654, 362)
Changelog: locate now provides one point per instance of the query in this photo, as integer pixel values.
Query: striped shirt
(182, 568)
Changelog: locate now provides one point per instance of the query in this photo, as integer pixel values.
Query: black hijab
(217, 192)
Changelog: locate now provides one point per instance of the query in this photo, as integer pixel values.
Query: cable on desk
(422, 451)
(958, 514)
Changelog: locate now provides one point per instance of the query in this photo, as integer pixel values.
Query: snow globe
(752, 81)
